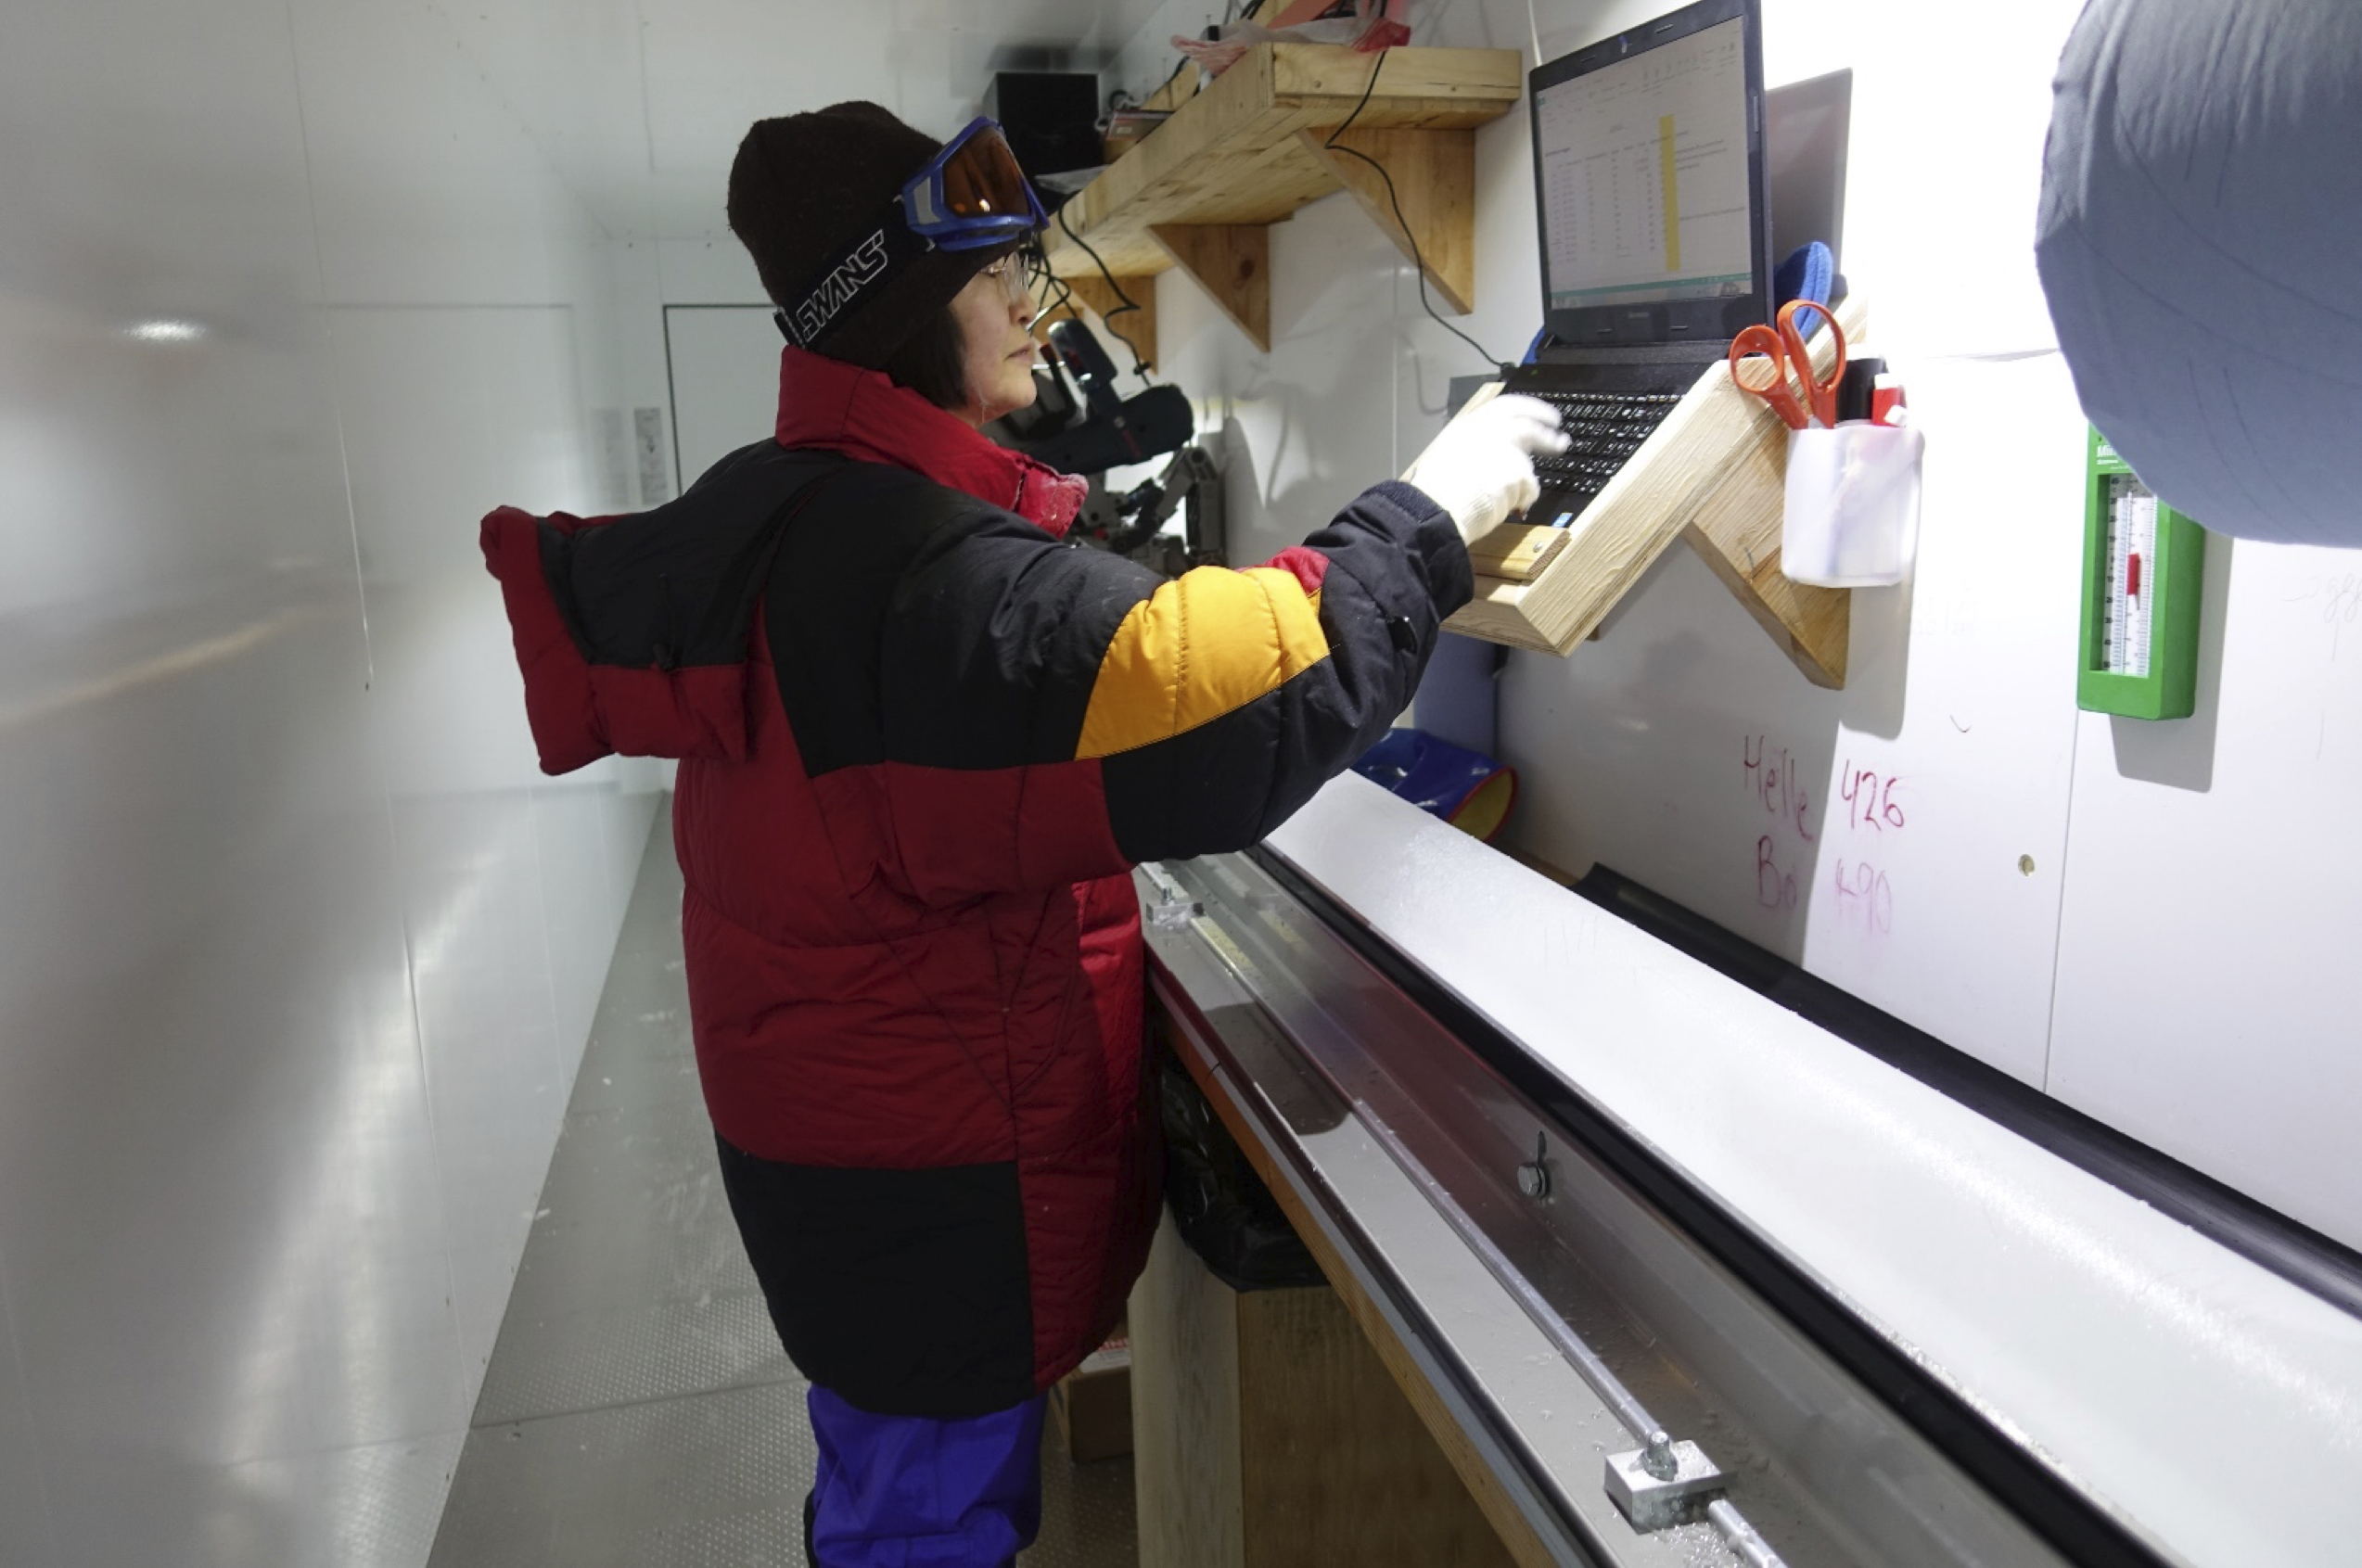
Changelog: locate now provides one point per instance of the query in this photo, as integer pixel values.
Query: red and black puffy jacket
(921, 742)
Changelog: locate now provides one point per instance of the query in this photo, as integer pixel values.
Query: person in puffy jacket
(922, 741)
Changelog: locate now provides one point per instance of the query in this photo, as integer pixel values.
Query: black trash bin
(1224, 1212)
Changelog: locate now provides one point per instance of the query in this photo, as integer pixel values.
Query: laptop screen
(1649, 181)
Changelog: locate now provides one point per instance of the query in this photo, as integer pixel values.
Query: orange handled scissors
(1787, 354)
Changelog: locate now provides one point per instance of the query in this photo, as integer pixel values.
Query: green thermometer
(2143, 565)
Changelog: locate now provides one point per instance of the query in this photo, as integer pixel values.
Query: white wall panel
(2205, 891)
(724, 363)
(297, 949)
(1876, 835)
(2206, 1001)
(26, 1536)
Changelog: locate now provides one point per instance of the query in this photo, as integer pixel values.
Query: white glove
(1481, 468)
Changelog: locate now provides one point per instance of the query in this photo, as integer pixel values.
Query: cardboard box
(1126, 128)
(1092, 1404)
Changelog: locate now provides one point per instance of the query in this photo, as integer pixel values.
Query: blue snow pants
(910, 1492)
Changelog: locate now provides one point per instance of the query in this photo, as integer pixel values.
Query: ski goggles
(970, 196)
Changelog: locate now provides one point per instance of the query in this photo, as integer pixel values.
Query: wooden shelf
(1714, 475)
(1200, 190)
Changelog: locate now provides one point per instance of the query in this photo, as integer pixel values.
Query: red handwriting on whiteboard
(1771, 779)
(1775, 887)
(1865, 900)
(1870, 800)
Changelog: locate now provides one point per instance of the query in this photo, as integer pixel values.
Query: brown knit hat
(804, 186)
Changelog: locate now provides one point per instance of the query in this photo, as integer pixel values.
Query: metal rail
(1613, 1289)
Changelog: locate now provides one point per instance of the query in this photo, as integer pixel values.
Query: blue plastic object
(1466, 788)
(1806, 274)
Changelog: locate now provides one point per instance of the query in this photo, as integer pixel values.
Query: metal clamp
(1174, 909)
(1532, 1176)
(1663, 1484)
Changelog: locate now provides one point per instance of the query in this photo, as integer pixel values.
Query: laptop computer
(1805, 128)
(1655, 232)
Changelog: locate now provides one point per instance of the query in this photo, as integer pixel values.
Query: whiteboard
(1903, 838)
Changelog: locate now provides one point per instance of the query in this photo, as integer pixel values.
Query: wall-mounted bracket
(1232, 263)
(1434, 174)
(1713, 474)
(1251, 149)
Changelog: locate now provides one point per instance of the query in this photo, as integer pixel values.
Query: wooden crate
(1268, 1433)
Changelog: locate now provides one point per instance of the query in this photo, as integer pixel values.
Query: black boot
(810, 1558)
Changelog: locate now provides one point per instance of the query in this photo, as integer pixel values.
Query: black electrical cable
(1139, 363)
(1044, 305)
(1418, 264)
(1040, 280)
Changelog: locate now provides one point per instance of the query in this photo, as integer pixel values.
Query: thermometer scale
(2142, 566)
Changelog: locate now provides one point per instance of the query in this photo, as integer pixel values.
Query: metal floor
(637, 1410)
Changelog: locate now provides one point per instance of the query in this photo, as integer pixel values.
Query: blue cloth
(1808, 273)
(910, 1492)
(2201, 214)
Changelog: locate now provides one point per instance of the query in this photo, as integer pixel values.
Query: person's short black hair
(932, 360)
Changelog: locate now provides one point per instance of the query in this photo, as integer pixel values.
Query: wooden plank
(1232, 263)
(1337, 1466)
(1517, 552)
(1717, 461)
(1434, 177)
(1526, 1549)
(1185, 1417)
(1737, 533)
(1159, 180)
(1102, 299)
(1229, 155)
(1428, 87)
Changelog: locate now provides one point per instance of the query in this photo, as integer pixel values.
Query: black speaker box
(1051, 118)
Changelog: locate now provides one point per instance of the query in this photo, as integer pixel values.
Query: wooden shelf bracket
(1715, 476)
(1232, 263)
(1435, 180)
(1252, 148)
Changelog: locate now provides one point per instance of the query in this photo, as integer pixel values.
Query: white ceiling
(641, 103)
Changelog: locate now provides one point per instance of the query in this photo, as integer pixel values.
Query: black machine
(1080, 424)
(1655, 231)
(1050, 119)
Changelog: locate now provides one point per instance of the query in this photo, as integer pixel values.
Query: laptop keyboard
(1603, 428)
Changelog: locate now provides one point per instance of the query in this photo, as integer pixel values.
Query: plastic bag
(1223, 1211)
(1374, 25)
(1852, 516)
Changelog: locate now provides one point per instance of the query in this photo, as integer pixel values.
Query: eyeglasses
(1014, 274)
(1021, 277)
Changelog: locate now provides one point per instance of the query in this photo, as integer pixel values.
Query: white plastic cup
(1852, 514)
